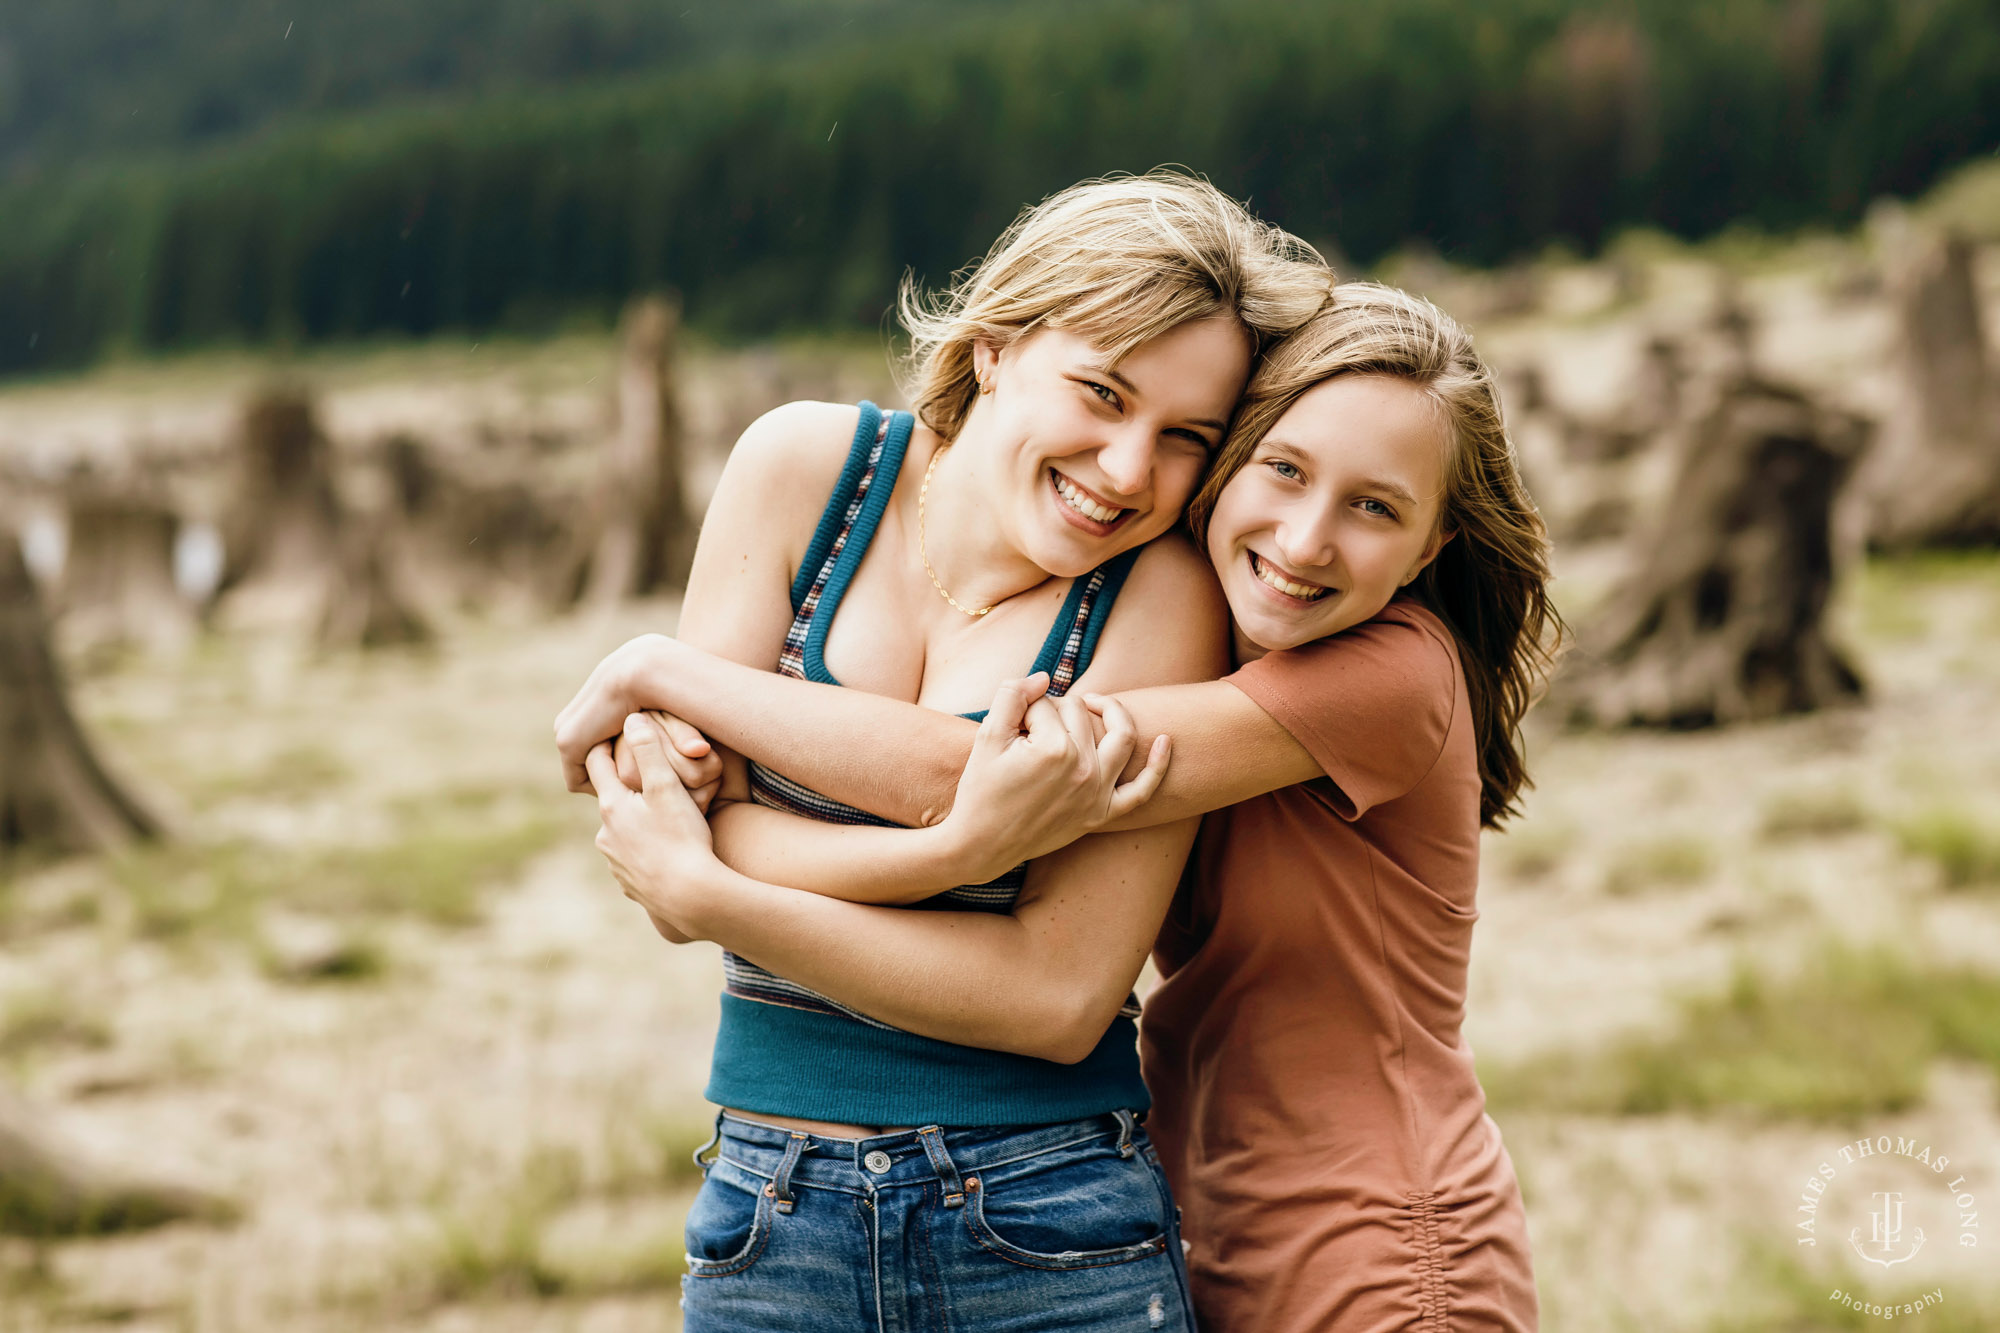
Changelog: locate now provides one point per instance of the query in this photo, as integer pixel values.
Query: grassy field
(380, 989)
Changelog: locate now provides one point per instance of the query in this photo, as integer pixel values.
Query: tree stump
(295, 558)
(500, 533)
(47, 1188)
(117, 587)
(1933, 478)
(1721, 619)
(54, 794)
(645, 540)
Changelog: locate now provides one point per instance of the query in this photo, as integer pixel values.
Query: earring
(984, 385)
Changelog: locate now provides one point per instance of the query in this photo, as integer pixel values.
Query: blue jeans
(1000, 1230)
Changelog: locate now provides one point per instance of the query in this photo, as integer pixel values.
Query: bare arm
(1058, 753)
(737, 605)
(1064, 960)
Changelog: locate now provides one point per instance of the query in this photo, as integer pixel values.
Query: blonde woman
(1314, 1102)
(1070, 395)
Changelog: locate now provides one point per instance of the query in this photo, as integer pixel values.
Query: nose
(1307, 537)
(1127, 462)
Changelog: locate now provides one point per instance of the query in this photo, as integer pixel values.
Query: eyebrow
(1395, 490)
(1129, 387)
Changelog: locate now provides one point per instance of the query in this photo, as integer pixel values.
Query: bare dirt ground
(450, 1109)
(381, 991)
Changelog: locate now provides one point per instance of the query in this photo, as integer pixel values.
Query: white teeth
(1301, 590)
(1080, 502)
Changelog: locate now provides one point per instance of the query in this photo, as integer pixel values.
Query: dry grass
(1854, 1034)
(380, 987)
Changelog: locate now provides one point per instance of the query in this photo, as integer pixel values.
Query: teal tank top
(783, 1049)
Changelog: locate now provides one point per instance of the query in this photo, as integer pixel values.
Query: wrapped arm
(1045, 981)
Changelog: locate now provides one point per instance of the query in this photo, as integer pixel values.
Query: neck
(972, 556)
(1247, 649)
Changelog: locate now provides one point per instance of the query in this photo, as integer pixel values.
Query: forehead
(1376, 424)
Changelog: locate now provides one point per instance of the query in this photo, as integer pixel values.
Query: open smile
(1282, 582)
(1085, 508)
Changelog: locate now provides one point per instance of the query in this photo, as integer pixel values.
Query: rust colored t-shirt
(1313, 1102)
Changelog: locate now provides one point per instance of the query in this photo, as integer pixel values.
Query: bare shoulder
(802, 443)
(782, 470)
(1170, 623)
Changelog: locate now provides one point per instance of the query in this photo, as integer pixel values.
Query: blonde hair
(1117, 260)
(1489, 584)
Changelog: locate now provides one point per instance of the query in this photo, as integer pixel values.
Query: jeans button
(877, 1161)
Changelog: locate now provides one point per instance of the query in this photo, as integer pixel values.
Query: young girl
(1314, 1101)
(1070, 394)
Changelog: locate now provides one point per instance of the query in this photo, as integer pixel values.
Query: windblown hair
(1118, 261)
(1489, 584)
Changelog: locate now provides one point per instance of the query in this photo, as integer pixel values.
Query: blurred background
(364, 369)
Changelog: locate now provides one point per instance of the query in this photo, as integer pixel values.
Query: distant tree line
(90, 76)
(792, 192)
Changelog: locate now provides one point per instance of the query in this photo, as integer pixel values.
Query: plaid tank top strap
(846, 526)
(1073, 638)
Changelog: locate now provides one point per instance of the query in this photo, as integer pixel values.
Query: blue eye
(1285, 470)
(1380, 509)
(1103, 392)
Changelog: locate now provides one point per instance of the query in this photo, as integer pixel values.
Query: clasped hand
(1045, 772)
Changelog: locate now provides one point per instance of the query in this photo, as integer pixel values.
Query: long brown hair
(1490, 582)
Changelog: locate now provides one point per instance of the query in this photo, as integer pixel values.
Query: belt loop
(933, 1140)
(780, 1187)
(1126, 1124)
(713, 1139)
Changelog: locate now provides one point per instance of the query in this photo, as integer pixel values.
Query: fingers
(1080, 732)
(1129, 796)
(704, 795)
(603, 770)
(648, 746)
(682, 737)
(694, 760)
(1120, 735)
(1045, 727)
(1010, 706)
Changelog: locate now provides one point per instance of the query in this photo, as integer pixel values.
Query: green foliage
(1657, 862)
(1813, 812)
(1965, 847)
(91, 75)
(1781, 1295)
(437, 873)
(1854, 1034)
(791, 191)
(507, 1245)
(38, 1019)
(497, 1248)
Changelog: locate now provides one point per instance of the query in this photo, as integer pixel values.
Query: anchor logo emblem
(1886, 1233)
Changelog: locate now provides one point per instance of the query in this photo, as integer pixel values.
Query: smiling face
(1335, 509)
(1083, 459)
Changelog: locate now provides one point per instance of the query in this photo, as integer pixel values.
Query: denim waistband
(786, 1158)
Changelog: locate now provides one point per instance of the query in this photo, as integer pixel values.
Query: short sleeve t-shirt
(1314, 1103)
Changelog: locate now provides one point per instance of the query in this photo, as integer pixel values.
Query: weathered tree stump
(1721, 618)
(645, 540)
(1933, 478)
(118, 586)
(54, 794)
(500, 533)
(48, 1188)
(296, 559)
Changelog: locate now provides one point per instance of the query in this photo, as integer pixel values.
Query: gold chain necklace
(922, 496)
